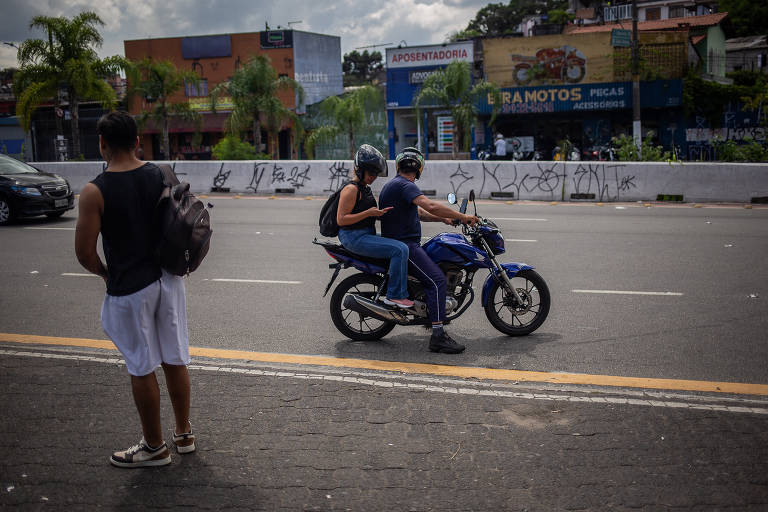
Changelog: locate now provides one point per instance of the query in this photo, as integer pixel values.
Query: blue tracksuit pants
(432, 278)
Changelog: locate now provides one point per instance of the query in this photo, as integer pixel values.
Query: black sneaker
(445, 344)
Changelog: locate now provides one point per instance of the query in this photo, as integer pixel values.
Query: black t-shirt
(128, 234)
(364, 200)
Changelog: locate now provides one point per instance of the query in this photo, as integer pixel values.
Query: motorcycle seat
(343, 251)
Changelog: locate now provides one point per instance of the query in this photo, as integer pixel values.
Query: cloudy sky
(358, 23)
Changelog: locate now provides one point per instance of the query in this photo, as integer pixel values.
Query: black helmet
(410, 160)
(369, 159)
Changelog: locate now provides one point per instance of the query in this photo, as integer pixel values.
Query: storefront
(541, 118)
(407, 68)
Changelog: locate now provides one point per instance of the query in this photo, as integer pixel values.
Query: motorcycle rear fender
(511, 268)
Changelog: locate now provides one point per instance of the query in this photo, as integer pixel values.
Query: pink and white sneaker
(401, 303)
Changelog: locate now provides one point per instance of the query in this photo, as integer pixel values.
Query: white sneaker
(141, 455)
(401, 303)
(185, 443)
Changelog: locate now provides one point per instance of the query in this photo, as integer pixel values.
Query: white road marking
(265, 281)
(628, 292)
(456, 386)
(518, 240)
(52, 229)
(519, 218)
(75, 274)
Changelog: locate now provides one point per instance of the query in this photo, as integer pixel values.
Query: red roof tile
(668, 24)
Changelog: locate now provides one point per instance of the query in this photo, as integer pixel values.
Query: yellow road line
(465, 372)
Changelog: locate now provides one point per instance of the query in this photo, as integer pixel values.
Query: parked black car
(28, 192)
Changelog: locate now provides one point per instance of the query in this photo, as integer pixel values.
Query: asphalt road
(715, 257)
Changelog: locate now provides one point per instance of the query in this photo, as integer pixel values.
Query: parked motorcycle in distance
(602, 153)
(514, 296)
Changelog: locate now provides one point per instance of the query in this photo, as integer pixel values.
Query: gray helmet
(369, 159)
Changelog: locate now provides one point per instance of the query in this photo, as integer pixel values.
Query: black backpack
(184, 226)
(328, 224)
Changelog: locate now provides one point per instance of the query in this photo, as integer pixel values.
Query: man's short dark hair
(118, 130)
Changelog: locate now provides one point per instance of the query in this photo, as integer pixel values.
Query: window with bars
(192, 91)
(677, 11)
(618, 12)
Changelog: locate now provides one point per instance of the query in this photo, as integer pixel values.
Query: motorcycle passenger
(410, 207)
(356, 217)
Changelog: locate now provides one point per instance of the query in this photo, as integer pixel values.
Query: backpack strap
(169, 177)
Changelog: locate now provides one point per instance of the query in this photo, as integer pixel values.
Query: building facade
(313, 60)
(407, 68)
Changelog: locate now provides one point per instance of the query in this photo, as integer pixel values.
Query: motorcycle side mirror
(452, 198)
(472, 195)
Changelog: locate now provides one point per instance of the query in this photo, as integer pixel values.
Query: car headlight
(26, 191)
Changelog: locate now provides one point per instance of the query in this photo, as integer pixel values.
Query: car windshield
(10, 165)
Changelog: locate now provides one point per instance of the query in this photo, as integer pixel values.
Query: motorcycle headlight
(26, 191)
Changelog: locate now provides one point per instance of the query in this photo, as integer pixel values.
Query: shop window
(192, 91)
(653, 13)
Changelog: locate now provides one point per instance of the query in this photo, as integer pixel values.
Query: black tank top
(364, 201)
(128, 235)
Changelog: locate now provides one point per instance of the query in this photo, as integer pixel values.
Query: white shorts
(149, 327)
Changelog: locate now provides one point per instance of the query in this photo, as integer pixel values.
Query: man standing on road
(144, 310)
(410, 206)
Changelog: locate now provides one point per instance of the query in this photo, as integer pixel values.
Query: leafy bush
(627, 151)
(731, 151)
(232, 148)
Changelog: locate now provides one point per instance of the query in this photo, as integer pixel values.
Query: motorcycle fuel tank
(454, 248)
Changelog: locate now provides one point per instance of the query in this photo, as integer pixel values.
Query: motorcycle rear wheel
(351, 324)
(519, 319)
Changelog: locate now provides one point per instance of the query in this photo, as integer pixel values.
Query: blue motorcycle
(515, 297)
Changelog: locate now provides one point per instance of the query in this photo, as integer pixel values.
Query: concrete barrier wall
(550, 181)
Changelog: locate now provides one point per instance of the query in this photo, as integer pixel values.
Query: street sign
(621, 38)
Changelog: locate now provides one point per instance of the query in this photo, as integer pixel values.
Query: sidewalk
(285, 441)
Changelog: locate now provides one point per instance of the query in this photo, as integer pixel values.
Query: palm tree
(347, 114)
(155, 82)
(274, 116)
(67, 59)
(253, 89)
(452, 88)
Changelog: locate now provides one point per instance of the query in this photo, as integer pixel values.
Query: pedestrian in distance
(357, 216)
(410, 208)
(144, 309)
(501, 147)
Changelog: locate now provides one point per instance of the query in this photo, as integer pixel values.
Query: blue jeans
(367, 243)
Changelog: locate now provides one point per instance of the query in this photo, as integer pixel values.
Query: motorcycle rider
(357, 216)
(403, 223)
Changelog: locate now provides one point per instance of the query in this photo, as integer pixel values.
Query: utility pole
(637, 132)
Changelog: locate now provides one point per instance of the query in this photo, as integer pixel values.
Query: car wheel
(55, 215)
(6, 214)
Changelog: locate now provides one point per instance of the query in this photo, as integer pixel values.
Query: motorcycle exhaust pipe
(368, 307)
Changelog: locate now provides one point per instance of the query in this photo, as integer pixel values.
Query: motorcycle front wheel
(351, 324)
(514, 319)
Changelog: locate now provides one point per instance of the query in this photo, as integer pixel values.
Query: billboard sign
(434, 55)
(272, 39)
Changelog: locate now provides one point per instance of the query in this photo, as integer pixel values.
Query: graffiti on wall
(605, 181)
(338, 172)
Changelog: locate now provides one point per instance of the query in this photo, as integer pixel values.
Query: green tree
(67, 59)
(156, 81)
(452, 88)
(500, 19)
(230, 147)
(358, 68)
(253, 89)
(745, 17)
(347, 114)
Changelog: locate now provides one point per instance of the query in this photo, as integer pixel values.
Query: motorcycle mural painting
(514, 296)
